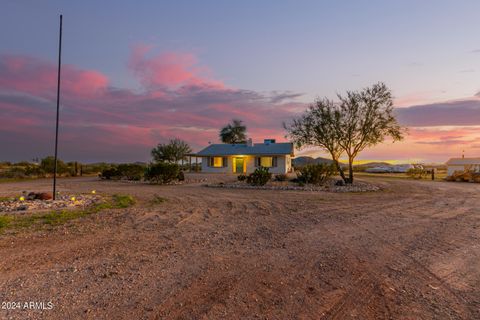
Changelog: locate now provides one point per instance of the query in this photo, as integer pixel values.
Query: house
(245, 158)
(463, 164)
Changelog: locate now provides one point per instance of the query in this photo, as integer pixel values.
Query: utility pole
(58, 111)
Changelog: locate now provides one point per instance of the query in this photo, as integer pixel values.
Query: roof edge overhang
(238, 154)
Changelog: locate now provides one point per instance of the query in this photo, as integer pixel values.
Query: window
(216, 162)
(266, 162)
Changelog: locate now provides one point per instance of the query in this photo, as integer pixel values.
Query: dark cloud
(18, 98)
(278, 97)
(454, 113)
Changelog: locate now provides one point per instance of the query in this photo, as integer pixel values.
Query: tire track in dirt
(402, 264)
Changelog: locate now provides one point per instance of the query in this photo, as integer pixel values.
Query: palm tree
(234, 132)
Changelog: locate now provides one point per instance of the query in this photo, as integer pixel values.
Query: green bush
(131, 171)
(162, 172)
(316, 173)
(241, 177)
(110, 173)
(259, 177)
(281, 177)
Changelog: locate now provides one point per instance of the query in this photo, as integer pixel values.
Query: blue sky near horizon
(427, 52)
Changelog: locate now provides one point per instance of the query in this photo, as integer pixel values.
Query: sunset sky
(136, 73)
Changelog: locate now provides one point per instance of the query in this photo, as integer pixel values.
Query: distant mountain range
(374, 164)
(301, 161)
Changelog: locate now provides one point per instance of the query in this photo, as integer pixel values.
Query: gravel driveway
(411, 251)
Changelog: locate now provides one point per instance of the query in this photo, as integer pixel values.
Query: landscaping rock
(43, 201)
(44, 196)
(329, 186)
(39, 196)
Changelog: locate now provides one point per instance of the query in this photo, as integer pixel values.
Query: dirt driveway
(411, 251)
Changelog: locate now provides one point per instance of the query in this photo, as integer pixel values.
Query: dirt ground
(411, 251)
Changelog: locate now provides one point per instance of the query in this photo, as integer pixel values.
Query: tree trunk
(350, 170)
(340, 170)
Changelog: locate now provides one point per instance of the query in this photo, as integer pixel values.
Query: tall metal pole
(58, 110)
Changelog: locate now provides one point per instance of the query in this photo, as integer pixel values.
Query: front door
(239, 165)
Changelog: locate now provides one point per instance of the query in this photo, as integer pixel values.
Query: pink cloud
(38, 77)
(170, 69)
(180, 99)
(99, 122)
(83, 82)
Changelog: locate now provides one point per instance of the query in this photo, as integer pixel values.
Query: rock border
(63, 202)
(356, 187)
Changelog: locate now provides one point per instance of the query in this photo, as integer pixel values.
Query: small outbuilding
(462, 165)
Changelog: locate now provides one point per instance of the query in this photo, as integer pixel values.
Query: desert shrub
(316, 173)
(22, 164)
(259, 177)
(242, 177)
(162, 172)
(94, 167)
(417, 173)
(110, 173)
(75, 168)
(181, 176)
(34, 170)
(123, 201)
(14, 173)
(25, 170)
(48, 165)
(281, 177)
(131, 171)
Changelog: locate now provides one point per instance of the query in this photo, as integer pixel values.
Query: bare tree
(173, 152)
(366, 119)
(318, 127)
(360, 120)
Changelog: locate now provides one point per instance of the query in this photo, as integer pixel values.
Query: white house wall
(284, 164)
(207, 169)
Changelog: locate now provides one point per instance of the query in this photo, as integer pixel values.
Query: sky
(138, 73)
